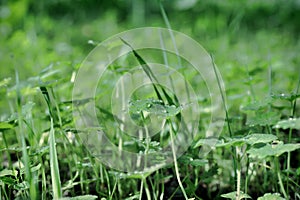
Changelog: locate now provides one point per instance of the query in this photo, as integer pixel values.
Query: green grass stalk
(280, 179)
(56, 184)
(175, 161)
(26, 159)
(234, 160)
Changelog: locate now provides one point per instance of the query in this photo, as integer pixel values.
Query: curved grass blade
(150, 75)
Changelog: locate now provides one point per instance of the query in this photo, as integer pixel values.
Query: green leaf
(21, 186)
(269, 196)
(83, 197)
(26, 109)
(207, 142)
(289, 97)
(230, 142)
(133, 197)
(293, 123)
(36, 168)
(119, 69)
(8, 172)
(134, 175)
(188, 160)
(259, 138)
(5, 82)
(153, 106)
(298, 171)
(272, 150)
(257, 105)
(232, 195)
(40, 151)
(251, 139)
(198, 162)
(5, 126)
(263, 119)
(137, 106)
(8, 180)
(147, 69)
(255, 71)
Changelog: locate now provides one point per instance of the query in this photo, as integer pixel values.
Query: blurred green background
(245, 37)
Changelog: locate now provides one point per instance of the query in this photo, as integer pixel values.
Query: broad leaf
(84, 197)
(251, 139)
(8, 172)
(153, 106)
(258, 105)
(263, 119)
(207, 141)
(293, 123)
(188, 160)
(259, 138)
(198, 162)
(269, 196)
(288, 97)
(272, 150)
(5, 126)
(232, 195)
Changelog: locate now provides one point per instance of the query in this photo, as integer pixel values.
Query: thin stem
(247, 175)
(175, 162)
(270, 80)
(226, 116)
(146, 188)
(114, 189)
(167, 22)
(238, 177)
(7, 151)
(280, 179)
(293, 105)
(161, 197)
(238, 187)
(108, 183)
(141, 190)
(147, 140)
(28, 175)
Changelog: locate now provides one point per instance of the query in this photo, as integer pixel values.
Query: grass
(256, 155)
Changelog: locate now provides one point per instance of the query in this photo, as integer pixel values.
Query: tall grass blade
(233, 150)
(26, 159)
(56, 184)
(150, 75)
(167, 22)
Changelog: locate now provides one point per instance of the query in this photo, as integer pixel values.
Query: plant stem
(293, 105)
(56, 184)
(141, 190)
(238, 178)
(238, 184)
(114, 189)
(175, 162)
(247, 175)
(146, 188)
(280, 179)
(28, 175)
(226, 116)
(10, 165)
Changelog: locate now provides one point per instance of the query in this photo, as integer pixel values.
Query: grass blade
(56, 184)
(26, 159)
(150, 75)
